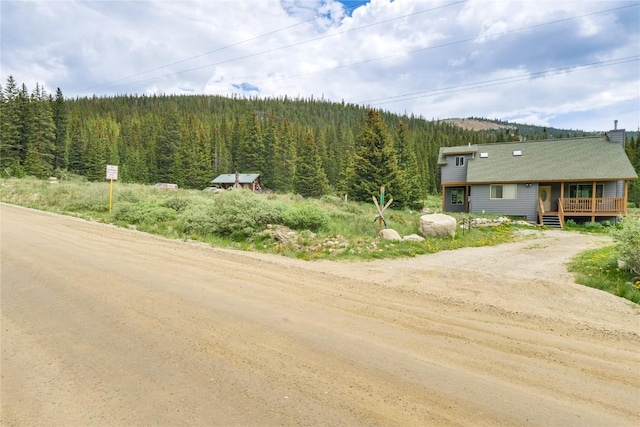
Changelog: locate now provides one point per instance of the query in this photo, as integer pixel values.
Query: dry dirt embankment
(105, 326)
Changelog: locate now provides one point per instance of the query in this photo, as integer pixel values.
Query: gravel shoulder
(107, 326)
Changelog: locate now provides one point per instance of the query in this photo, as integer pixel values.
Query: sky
(565, 64)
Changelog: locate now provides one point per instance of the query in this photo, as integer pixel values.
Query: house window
(585, 191)
(457, 196)
(459, 160)
(503, 191)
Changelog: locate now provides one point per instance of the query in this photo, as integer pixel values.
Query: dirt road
(110, 327)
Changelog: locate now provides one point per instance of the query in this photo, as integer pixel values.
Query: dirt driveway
(110, 327)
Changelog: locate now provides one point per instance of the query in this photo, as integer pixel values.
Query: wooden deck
(602, 206)
(585, 207)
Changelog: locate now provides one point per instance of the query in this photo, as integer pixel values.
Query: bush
(144, 213)
(178, 204)
(627, 240)
(237, 213)
(305, 217)
(592, 225)
(127, 195)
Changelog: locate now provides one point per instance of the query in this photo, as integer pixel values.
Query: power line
(292, 44)
(448, 44)
(351, 8)
(501, 81)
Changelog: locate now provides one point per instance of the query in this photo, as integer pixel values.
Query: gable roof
(230, 178)
(571, 159)
(448, 151)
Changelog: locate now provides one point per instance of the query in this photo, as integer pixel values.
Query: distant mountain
(511, 130)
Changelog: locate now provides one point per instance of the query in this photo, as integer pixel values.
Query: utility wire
(501, 81)
(291, 45)
(351, 8)
(453, 43)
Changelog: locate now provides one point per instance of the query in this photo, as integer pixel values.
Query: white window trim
(504, 186)
(460, 161)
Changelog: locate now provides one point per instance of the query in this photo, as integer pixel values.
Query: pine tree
(251, 154)
(168, 140)
(632, 148)
(76, 149)
(270, 146)
(311, 180)
(410, 193)
(41, 136)
(220, 153)
(375, 162)
(135, 169)
(285, 158)
(25, 121)
(10, 128)
(95, 150)
(61, 121)
(192, 162)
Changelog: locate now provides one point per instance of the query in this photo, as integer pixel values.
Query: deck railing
(540, 211)
(583, 204)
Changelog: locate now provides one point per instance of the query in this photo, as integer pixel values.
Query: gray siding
(448, 207)
(525, 203)
(610, 188)
(617, 136)
(619, 189)
(453, 173)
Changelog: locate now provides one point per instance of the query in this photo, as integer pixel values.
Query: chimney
(616, 135)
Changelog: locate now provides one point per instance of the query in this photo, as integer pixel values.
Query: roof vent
(484, 155)
(517, 152)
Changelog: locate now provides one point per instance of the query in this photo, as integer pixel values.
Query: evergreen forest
(306, 146)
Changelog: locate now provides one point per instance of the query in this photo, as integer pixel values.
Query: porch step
(551, 220)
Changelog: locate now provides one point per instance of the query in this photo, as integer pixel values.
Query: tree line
(310, 147)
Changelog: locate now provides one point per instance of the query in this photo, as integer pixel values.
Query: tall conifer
(311, 180)
(61, 121)
(375, 163)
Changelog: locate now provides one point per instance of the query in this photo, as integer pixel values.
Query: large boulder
(437, 225)
(389, 234)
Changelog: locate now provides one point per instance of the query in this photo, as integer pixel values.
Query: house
(248, 181)
(548, 181)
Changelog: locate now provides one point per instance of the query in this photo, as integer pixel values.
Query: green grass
(598, 268)
(347, 231)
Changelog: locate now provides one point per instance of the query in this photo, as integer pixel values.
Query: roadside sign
(112, 172)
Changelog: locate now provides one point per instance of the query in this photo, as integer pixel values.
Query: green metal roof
(571, 159)
(230, 178)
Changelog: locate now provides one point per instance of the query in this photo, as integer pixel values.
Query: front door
(544, 194)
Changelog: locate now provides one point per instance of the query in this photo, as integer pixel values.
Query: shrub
(232, 213)
(178, 204)
(591, 225)
(93, 198)
(305, 217)
(627, 240)
(127, 195)
(198, 218)
(144, 213)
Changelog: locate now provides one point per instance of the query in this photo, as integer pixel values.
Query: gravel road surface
(102, 326)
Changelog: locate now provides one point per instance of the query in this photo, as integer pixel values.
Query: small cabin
(247, 181)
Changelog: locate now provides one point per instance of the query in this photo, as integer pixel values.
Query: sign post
(112, 174)
(381, 207)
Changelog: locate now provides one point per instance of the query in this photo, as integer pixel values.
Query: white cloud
(317, 48)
